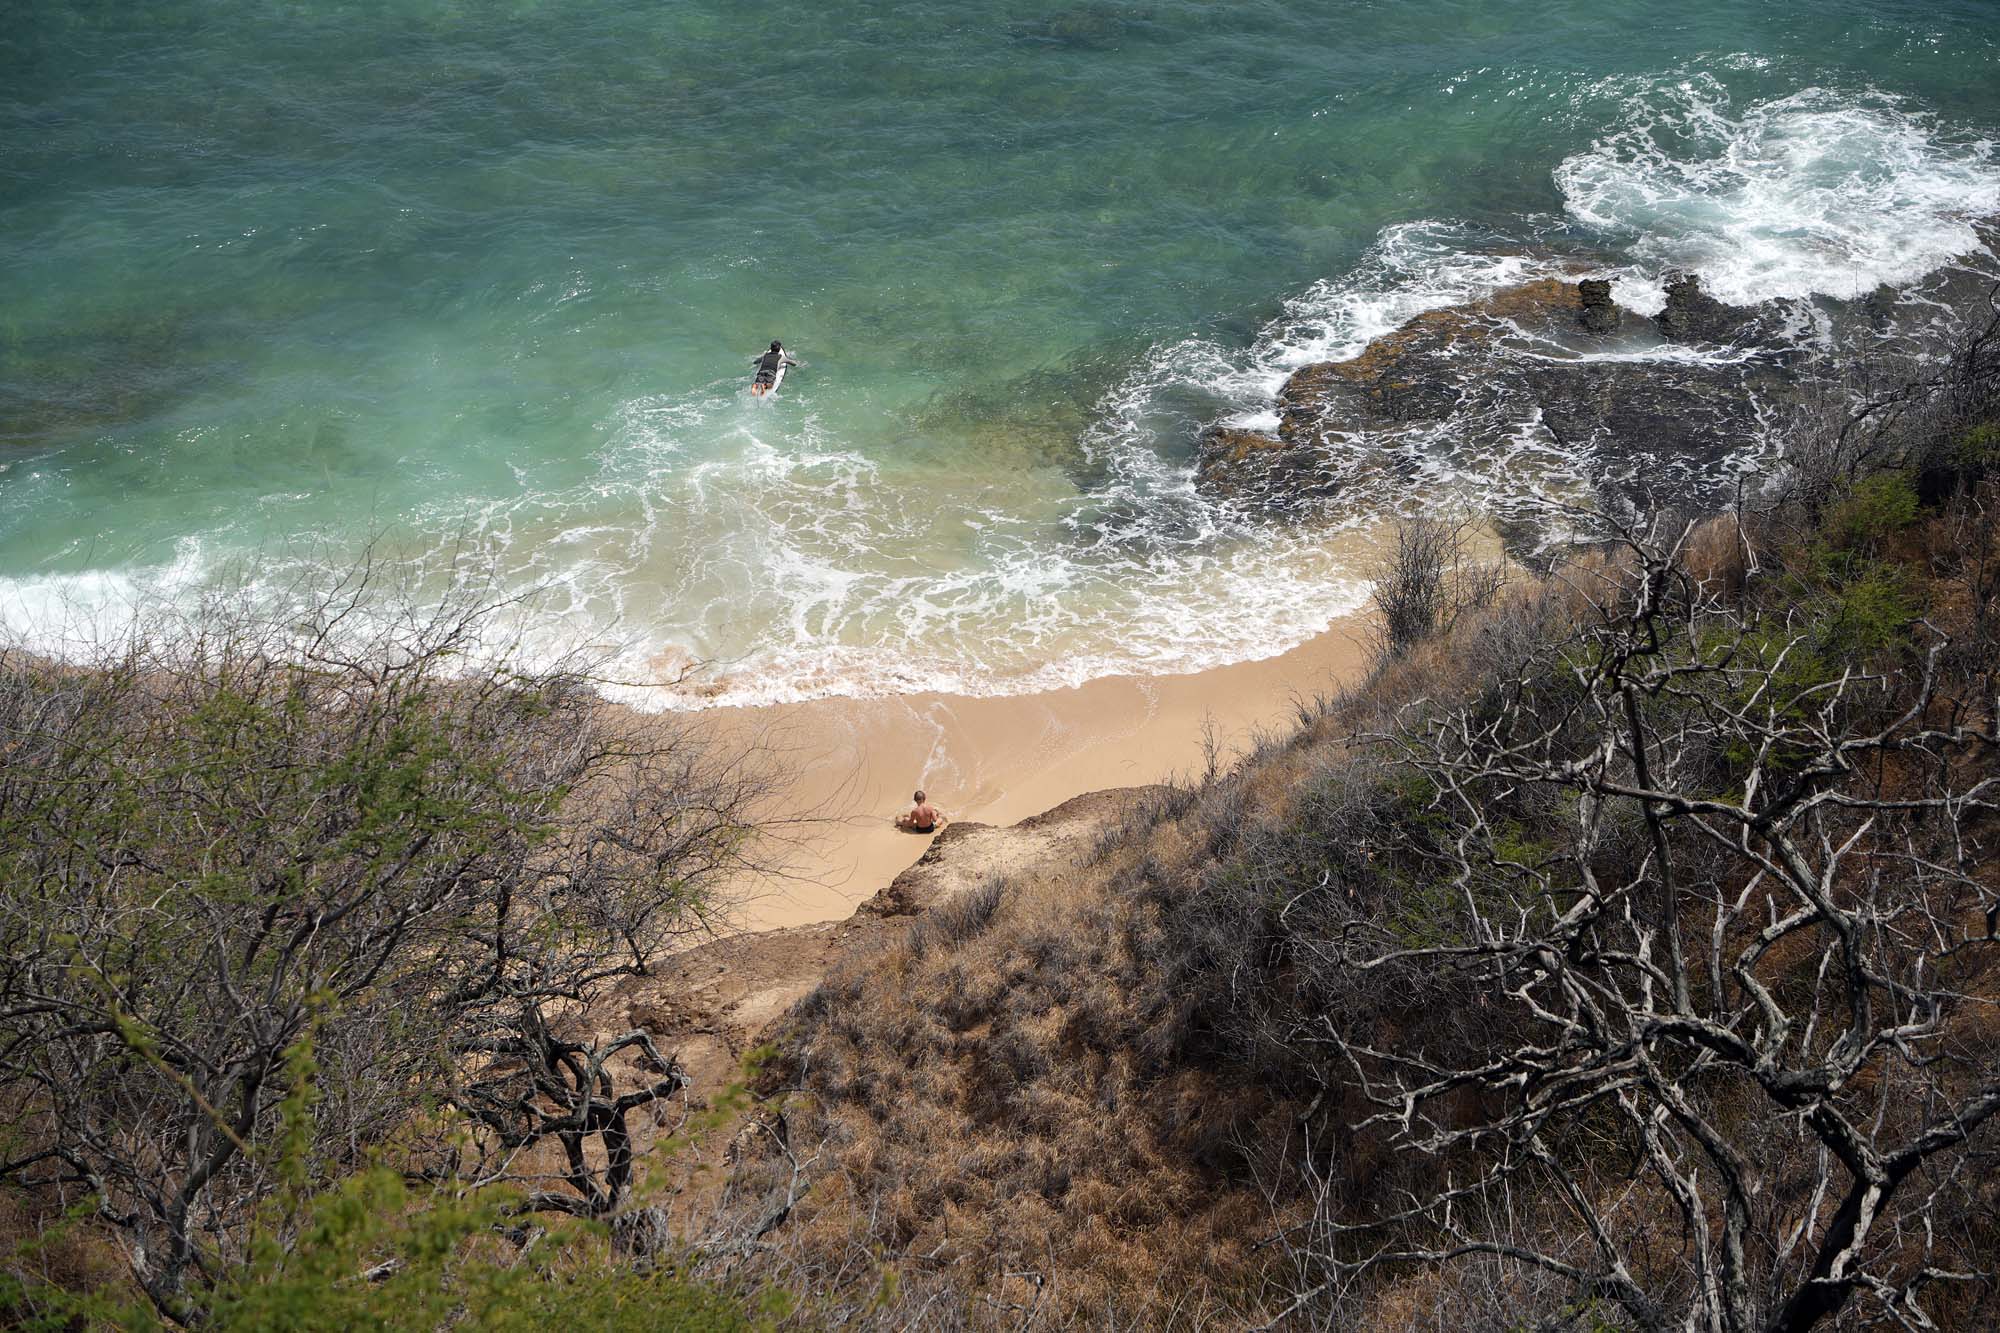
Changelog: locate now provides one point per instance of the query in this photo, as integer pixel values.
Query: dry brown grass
(46, 1251)
(1026, 1108)
(985, 1091)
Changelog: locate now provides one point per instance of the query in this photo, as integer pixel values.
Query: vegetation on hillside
(283, 898)
(1627, 957)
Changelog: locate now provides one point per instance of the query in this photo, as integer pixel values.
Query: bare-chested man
(923, 817)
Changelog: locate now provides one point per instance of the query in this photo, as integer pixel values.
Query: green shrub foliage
(235, 837)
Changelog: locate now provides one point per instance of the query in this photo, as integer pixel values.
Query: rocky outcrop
(1549, 356)
(1600, 312)
(1693, 316)
(1263, 471)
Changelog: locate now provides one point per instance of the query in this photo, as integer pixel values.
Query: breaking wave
(1820, 193)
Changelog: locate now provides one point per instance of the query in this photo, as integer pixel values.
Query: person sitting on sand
(923, 817)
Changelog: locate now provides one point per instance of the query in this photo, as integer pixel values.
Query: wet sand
(999, 760)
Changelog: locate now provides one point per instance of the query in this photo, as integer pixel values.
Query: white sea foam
(1412, 268)
(1818, 193)
(73, 614)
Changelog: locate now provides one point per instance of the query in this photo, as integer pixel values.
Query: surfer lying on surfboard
(771, 367)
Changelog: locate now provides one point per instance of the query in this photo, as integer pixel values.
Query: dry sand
(1000, 760)
(1030, 782)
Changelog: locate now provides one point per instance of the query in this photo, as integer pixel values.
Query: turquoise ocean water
(478, 284)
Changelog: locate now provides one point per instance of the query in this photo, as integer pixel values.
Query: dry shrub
(1425, 581)
(957, 919)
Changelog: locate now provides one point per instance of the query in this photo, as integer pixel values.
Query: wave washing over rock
(1553, 393)
(1650, 411)
(1753, 248)
(1822, 193)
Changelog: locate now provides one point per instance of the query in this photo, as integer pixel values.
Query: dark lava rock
(1264, 472)
(1290, 477)
(1427, 369)
(1600, 312)
(1226, 456)
(1468, 379)
(1879, 307)
(1693, 316)
(1659, 432)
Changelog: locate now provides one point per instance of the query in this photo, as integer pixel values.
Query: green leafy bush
(1978, 449)
(1876, 508)
(1867, 613)
(370, 1255)
(375, 1258)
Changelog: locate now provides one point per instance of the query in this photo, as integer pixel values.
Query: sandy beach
(999, 760)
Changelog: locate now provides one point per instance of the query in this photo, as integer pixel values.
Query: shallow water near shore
(479, 285)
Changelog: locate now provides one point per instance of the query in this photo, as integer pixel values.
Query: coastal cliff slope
(1273, 1053)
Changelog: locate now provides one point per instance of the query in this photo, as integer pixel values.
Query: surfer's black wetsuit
(767, 367)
